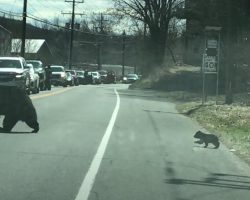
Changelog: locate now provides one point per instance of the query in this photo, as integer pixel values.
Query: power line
(45, 21)
(13, 14)
(72, 30)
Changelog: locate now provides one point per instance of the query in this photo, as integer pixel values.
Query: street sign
(209, 58)
(213, 44)
(209, 63)
(210, 67)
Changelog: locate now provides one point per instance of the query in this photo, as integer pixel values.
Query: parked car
(103, 74)
(88, 78)
(70, 79)
(74, 75)
(96, 77)
(80, 76)
(130, 78)
(14, 72)
(111, 77)
(34, 80)
(40, 70)
(59, 76)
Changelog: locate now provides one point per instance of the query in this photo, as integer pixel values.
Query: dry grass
(230, 122)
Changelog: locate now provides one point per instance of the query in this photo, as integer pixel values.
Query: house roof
(31, 45)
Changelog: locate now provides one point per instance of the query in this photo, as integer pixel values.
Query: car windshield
(132, 76)
(35, 64)
(159, 108)
(56, 69)
(71, 72)
(80, 73)
(10, 64)
(102, 72)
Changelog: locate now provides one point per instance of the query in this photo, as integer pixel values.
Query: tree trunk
(157, 47)
(230, 40)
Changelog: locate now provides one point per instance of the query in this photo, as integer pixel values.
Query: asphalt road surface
(106, 142)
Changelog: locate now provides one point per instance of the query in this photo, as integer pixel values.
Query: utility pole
(99, 63)
(123, 52)
(229, 53)
(100, 21)
(72, 31)
(24, 28)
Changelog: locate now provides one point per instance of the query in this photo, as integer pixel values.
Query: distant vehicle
(96, 77)
(40, 70)
(80, 76)
(70, 79)
(59, 76)
(14, 72)
(110, 78)
(88, 78)
(130, 78)
(74, 75)
(34, 80)
(103, 74)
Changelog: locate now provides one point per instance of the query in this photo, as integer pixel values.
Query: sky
(50, 9)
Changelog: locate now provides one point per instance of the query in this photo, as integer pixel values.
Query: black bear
(207, 138)
(16, 106)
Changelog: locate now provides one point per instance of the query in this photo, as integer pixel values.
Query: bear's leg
(8, 123)
(34, 125)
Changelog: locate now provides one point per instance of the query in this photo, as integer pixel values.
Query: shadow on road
(230, 181)
(16, 132)
(158, 111)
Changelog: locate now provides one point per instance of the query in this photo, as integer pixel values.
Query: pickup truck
(14, 72)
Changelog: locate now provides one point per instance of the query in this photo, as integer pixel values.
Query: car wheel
(42, 86)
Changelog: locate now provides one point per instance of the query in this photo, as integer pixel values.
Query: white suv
(14, 72)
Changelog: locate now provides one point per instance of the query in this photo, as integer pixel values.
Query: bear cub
(207, 138)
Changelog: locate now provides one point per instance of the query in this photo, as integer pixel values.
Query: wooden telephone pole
(24, 28)
(72, 30)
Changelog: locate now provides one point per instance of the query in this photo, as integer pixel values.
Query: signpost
(211, 58)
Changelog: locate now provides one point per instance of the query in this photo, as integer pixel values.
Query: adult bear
(16, 106)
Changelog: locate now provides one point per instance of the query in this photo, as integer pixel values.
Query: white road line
(89, 179)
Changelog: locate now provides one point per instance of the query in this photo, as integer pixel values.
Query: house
(5, 41)
(34, 49)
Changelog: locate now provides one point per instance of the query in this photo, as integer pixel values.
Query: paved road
(97, 144)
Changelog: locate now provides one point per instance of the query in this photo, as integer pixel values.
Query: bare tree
(102, 23)
(156, 15)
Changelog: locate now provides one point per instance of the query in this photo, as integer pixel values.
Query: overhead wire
(13, 14)
(65, 28)
(45, 21)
